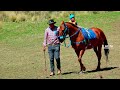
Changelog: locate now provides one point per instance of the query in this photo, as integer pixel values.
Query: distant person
(72, 19)
(51, 40)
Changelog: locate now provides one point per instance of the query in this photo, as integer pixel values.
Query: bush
(12, 16)
(21, 17)
(1, 24)
(35, 18)
(18, 16)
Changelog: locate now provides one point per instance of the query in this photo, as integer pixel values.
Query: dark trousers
(54, 52)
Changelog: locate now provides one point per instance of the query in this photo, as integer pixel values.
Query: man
(51, 40)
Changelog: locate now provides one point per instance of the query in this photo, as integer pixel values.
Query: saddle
(88, 34)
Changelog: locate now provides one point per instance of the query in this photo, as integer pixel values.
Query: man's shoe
(59, 72)
(52, 73)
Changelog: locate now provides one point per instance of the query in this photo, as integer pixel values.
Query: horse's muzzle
(61, 38)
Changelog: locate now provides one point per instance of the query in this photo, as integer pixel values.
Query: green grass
(21, 54)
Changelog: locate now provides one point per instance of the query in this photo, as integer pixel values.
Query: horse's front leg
(80, 54)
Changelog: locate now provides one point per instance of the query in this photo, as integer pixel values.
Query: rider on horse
(72, 20)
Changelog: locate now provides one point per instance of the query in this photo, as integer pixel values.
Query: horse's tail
(106, 49)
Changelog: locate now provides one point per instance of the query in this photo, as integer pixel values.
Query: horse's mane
(72, 24)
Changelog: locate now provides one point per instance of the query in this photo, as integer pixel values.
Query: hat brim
(52, 23)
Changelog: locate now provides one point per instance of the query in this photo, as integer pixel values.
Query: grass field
(21, 55)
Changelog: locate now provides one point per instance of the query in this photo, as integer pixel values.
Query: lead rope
(64, 43)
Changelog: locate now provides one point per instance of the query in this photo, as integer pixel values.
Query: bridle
(64, 36)
(66, 29)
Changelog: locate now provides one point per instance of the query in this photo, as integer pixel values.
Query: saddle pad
(88, 33)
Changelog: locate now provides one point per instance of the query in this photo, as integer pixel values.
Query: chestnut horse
(80, 43)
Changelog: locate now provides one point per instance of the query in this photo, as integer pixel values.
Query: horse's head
(63, 31)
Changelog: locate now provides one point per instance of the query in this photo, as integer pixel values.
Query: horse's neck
(74, 30)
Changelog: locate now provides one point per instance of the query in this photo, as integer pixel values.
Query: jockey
(72, 19)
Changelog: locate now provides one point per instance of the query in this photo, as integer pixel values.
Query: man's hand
(44, 48)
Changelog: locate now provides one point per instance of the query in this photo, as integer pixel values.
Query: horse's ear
(62, 22)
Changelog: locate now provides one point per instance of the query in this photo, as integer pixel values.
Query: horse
(80, 43)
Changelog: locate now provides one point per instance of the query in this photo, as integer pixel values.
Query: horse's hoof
(81, 72)
(84, 69)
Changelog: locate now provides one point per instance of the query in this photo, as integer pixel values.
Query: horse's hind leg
(98, 53)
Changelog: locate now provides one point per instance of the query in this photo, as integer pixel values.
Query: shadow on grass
(70, 73)
(102, 69)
